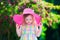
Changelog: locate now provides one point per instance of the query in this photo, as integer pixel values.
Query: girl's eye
(26, 19)
(30, 19)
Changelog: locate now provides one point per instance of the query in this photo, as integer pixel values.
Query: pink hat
(19, 18)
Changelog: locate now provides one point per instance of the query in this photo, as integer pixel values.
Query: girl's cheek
(31, 21)
(26, 21)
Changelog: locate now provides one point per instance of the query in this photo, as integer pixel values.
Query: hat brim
(19, 18)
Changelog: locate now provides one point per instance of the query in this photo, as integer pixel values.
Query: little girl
(30, 26)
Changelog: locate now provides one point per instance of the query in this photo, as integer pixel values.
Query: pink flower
(10, 22)
(34, 1)
(6, 17)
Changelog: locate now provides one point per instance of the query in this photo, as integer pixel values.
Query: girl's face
(29, 19)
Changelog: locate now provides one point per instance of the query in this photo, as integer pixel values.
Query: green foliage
(7, 11)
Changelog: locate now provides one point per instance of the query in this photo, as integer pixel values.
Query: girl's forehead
(30, 16)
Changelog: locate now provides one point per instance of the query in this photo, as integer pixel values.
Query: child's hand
(17, 26)
(40, 25)
(38, 30)
(18, 30)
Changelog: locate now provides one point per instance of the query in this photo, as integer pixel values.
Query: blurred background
(49, 10)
